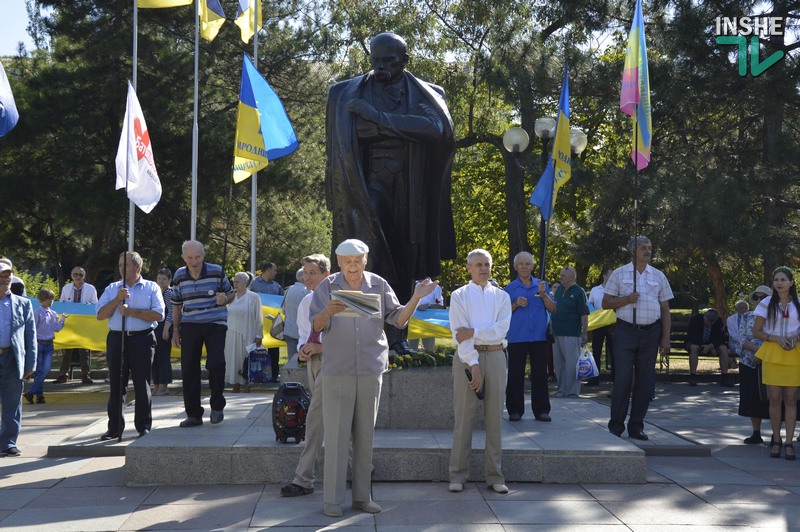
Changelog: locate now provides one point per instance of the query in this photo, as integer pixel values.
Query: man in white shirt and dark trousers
(643, 323)
(480, 315)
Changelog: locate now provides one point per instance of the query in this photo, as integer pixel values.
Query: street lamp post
(516, 140)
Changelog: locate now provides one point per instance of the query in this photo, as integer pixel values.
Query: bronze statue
(390, 146)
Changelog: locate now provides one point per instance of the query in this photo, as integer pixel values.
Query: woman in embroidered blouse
(751, 403)
(245, 326)
(777, 323)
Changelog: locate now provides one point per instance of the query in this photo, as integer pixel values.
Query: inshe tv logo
(736, 30)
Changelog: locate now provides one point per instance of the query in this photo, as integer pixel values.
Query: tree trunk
(717, 281)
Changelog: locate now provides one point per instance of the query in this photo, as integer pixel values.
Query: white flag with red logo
(136, 168)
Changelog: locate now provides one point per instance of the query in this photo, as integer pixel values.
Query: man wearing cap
(706, 336)
(201, 293)
(356, 355)
(17, 359)
(480, 315)
(640, 296)
(140, 304)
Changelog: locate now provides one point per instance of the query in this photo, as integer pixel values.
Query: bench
(678, 347)
(677, 344)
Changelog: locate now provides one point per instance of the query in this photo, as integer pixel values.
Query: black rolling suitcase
(289, 408)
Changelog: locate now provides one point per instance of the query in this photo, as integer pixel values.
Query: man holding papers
(356, 355)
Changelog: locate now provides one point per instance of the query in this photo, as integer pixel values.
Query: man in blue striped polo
(200, 295)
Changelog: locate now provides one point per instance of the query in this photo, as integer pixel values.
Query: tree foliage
(718, 199)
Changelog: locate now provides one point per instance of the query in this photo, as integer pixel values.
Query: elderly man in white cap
(356, 355)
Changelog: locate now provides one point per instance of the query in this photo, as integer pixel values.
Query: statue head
(389, 55)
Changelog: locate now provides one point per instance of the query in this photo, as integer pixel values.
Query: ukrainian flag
(263, 130)
(244, 18)
(559, 167)
(144, 4)
(634, 98)
(212, 17)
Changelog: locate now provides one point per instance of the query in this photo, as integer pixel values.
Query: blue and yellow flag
(9, 116)
(634, 97)
(212, 17)
(263, 130)
(145, 4)
(559, 167)
(244, 18)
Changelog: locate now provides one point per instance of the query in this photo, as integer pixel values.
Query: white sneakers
(456, 487)
(499, 488)
(371, 507)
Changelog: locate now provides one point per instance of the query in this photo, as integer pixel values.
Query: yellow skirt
(781, 367)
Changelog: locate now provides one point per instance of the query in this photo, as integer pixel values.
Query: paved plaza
(711, 482)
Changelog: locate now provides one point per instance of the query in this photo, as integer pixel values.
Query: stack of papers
(359, 304)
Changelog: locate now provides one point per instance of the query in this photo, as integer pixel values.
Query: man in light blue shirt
(17, 359)
(133, 309)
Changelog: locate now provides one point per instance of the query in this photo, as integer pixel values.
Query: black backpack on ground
(289, 408)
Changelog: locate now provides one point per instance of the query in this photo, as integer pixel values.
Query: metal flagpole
(193, 231)
(131, 206)
(635, 201)
(128, 228)
(254, 184)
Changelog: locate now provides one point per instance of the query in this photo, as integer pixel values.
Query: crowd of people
(497, 332)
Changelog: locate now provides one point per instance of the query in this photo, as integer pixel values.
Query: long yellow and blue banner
(84, 331)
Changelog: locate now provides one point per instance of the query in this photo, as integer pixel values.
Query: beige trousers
(493, 371)
(306, 472)
(350, 407)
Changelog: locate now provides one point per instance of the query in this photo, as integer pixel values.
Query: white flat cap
(352, 246)
(4, 267)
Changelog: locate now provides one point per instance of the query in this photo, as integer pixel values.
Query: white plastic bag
(586, 367)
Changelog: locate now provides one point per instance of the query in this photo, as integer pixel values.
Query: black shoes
(144, 432)
(775, 451)
(109, 436)
(217, 416)
(692, 380)
(191, 422)
(402, 348)
(11, 451)
(638, 435)
(544, 416)
(28, 397)
(753, 439)
(514, 417)
(295, 490)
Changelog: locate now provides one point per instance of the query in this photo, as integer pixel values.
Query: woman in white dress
(245, 326)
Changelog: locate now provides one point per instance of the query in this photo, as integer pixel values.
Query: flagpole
(129, 229)
(193, 229)
(131, 206)
(635, 201)
(254, 178)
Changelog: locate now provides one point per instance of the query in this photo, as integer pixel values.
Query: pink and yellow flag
(634, 98)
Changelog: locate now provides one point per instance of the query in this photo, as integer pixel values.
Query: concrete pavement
(726, 486)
